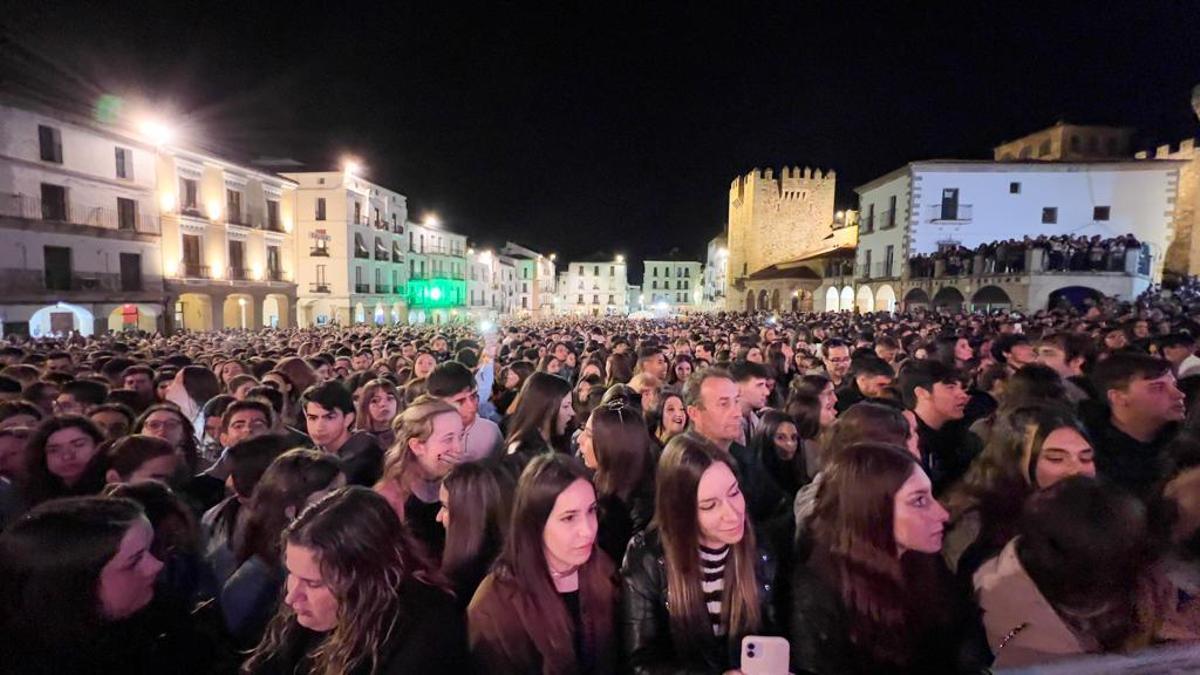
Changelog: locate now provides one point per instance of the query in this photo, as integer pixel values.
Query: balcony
(867, 224)
(362, 253)
(195, 271)
(396, 257)
(237, 274)
(887, 219)
(73, 214)
(382, 255)
(383, 289)
(947, 213)
(319, 251)
(381, 224)
(362, 288)
(276, 275)
(318, 287)
(21, 285)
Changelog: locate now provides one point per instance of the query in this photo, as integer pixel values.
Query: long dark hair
(287, 484)
(856, 551)
(622, 446)
(677, 519)
(536, 409)
(50, 564)
(480, 506)
(39, 483)
(191, 454)
(365, 555)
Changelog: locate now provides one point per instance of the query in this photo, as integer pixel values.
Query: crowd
(1060, 253)
(912, 493)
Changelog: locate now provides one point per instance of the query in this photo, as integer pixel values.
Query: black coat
(431, 637)
(645, 623)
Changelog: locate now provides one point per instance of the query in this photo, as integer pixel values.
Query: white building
(352, 238)
(535, 280)
(595, 286)
(437, 271)
(228, 251)
(673, 286)
(79, 225)
(924, 205)
(716, 268)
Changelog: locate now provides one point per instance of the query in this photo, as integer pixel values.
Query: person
(1031, 449)
(542, 412)
(714, 408)
(139, 457)
(935, 395)
(785, 448)
(140, 378)
(377, 404)
(64, 460)
(453, 383)
(165, 421)
(476, 504)
(191, 389)
(668, 420)
(14, 456)
(835, 356)
(869, 378)
(429, 442)
(92, 610)
(1141, 416)
(329, 416)
(615, 445)
(549, 604)
(873, 595)
(508, 385)
(295, 479)
(113, 419)
(650, 360)
(359, 597)
(753, 391)
(1073, 581)
(701, 554)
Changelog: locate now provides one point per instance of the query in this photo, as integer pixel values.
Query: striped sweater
(712, 583)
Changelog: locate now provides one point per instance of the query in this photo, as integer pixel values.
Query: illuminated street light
(351, 167)
(620, 258)
(553, 256)
(156, 131)
(432, 220)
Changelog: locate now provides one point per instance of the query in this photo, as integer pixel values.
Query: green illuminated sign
(433, 293)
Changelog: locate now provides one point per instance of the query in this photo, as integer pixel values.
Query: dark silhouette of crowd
(1057, 253)
(889, 493)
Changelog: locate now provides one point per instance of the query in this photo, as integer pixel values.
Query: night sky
(618, 128)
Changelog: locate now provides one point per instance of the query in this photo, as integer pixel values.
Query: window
(667, 271)
(189, 195)
(654, 285)
(54, 202)
(50, 144)
(596, 270)
(612, 270)
(126, 214)
(580, 299)
(524, 303)
(273, 214)
(891, 215)
(1074, 143)
(233, 206)
(237, 260)
(1100, 213)
(131, 271)
(1044, 148)
(949, 204)
(595, 299)
(274, 269)
(58, 268)
(869, 225)
(320, 208)
(1014, 188)
(653, 271)
(889, 256)
(610, 299)
(1050, 215)
(358, 276)
(124, 162)
(358, 212)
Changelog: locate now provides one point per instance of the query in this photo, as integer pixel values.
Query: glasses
(163, 425)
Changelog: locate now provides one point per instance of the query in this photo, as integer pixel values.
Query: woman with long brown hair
(377, 403)
(429, 442)
(615, 444)
(549, 604)
(539, 423)
(874, 595)
(699, 552)
(360, 599)
(476, 504)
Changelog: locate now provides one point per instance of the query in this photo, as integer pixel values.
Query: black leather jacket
(645, 624)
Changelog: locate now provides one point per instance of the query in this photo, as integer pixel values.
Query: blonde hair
(416, 422)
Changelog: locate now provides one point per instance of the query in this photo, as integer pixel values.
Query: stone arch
(763, 300)
(379, 316)
(1074, 296)
(916, 297)
(949, 297)
(991, 297)
(831, 299)
(360, 313)
(134, 316)
(775, 302)
(847, 302)
(194, 311)
(865, 301)
(749, 301)
(796, 301)
(60, 319)
(397, 312)
(275, 311)
(885, 298)
(241, 311)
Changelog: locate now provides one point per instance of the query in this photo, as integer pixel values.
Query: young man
(835, 355)
(1143, 409)
(1180, 350)
(1013, 350)
(934, 393)
(454, 383)
(140, 378)
(751, 379)
(329, 413)
(870, 376)
(1069, 354)
(714, 407)
(650, 360)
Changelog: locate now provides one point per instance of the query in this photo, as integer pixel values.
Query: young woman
(139, 458)
(874, 595)
(1074, 580)
(614, 443)
(359, 597)
(681, 369)
(539, 423)
(670, 419)
(90, 611)
(549, 604)
(700, 553)
(1029, 450)
(291, 394)
(192, 388)
(423, 365)
(64, 460)
(377, 404)
(165, 421)
(508, 385)
(785, 448)
(295, 479)
(476, 501)
(429, 442)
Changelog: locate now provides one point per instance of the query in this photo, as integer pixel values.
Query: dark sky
(619, 127)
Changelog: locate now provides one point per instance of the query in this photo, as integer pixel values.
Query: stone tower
(774, 219)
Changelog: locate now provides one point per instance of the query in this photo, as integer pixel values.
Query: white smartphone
(762, 655)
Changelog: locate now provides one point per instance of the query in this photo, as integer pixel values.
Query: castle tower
(774, 219)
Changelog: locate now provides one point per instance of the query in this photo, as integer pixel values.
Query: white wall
(877, 241)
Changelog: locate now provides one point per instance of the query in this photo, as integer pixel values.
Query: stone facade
(1183, 255)
(774, 219)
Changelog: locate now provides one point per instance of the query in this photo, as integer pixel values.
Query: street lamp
(158, 132)
(432, 220)
(620, 258)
